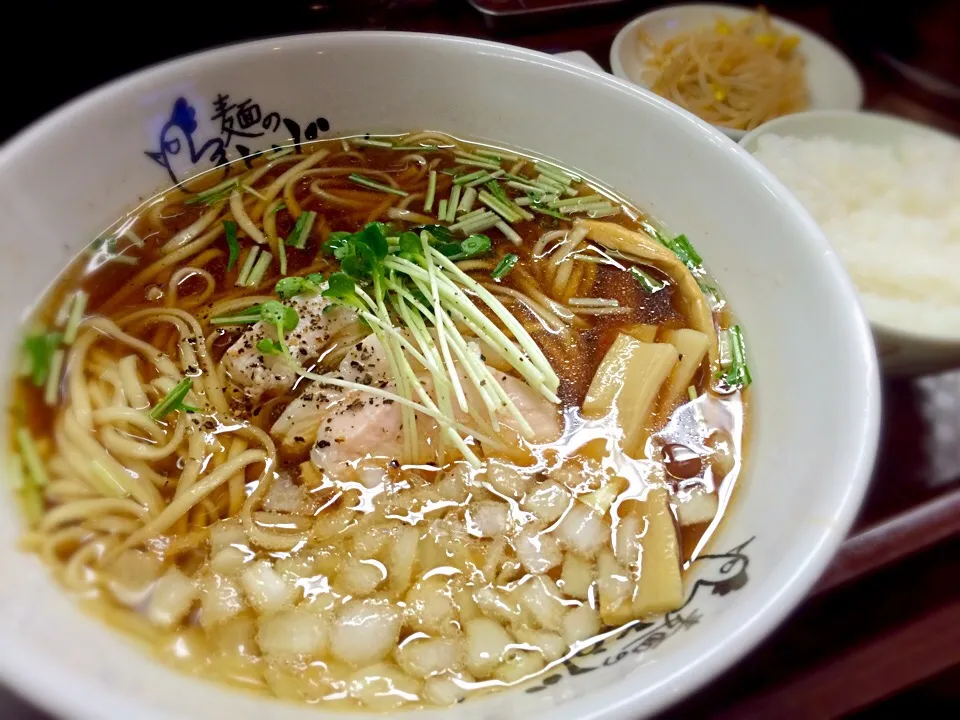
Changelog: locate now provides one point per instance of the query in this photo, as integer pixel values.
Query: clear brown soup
(382, 566)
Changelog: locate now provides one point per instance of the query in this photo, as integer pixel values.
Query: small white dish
(833, 80)
(902, 350)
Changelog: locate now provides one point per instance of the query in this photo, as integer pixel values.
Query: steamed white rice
(893, 215)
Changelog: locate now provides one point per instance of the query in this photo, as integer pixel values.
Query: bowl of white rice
(886, 192)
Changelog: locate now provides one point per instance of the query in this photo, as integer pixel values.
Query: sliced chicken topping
(298, 426)
(365, 426)
(256, 375)
(541, 415)
(360, 426)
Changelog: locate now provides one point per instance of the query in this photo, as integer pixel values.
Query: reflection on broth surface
(379, 422)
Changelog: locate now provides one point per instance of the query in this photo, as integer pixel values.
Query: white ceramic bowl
(833, 80)
(815, 405)
(902, 349)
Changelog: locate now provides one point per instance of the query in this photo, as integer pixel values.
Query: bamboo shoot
(642, 332)
(628, 381)
(692, 348)
(660, 586)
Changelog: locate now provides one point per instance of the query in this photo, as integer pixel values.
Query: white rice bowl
(892, 212)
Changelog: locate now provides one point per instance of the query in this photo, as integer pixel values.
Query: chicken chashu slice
(257, 376)
(348, 425)
(299, 426)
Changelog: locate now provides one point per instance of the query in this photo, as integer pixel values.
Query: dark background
(54, 51)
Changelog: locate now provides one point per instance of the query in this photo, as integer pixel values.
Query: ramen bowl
(815, 396)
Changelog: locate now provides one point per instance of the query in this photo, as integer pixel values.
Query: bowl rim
(27, 673)
(807, 35)
(903, 127)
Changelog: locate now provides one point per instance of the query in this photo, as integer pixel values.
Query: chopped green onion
(692, 393)
(466, 202)
(367, 182)
(525, 187)
(31, 503)
(245, 317)
(125, 260)
(469, 177)
(500, 194)
(579, 200)
(480, 223)
(472, 214)
(52, 389)
(233, 246)
(417, 148)
(282, 254)
(475, 245)
(681, 247)
(712, 294)
(431, 191)
(301, 230)
(31, 458)
(498, 154)
(501, 208)
(40, 349)
(442, 210)
(476, 161)
(649, 283)
(259, 269)
(77, 308)
(546, 183)
(247, 265)
(218, 192)
(484, 221)
(602, 212)
(544, 210)
(733, 357)
(366, 142)
(509, 233)
(681, 241)
(173, 399)
(504, 266)
(450, 215)
(555, 173)
(277, 208)
(588, 208)
(485, 178)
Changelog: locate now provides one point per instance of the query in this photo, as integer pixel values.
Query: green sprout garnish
(294, 285)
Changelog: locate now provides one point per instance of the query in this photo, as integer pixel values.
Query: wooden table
(881, 632)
